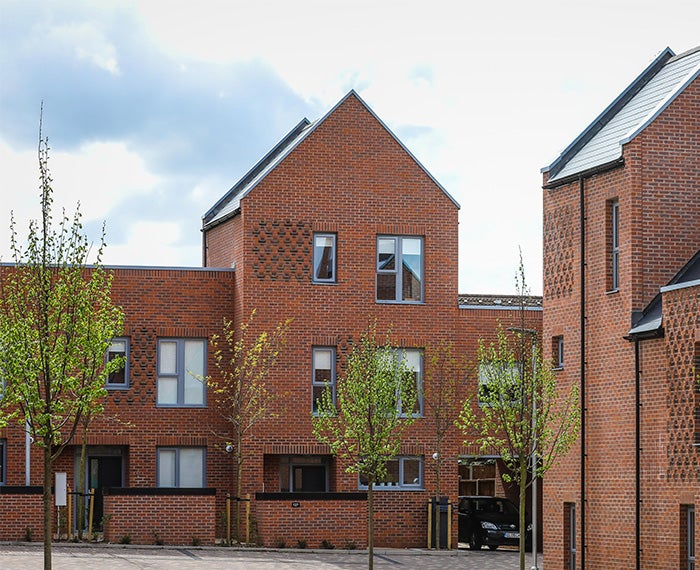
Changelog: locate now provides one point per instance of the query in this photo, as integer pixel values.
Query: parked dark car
(489, 521)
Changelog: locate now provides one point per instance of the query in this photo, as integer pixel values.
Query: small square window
(324, 258)
(119, 379)
(402, 473)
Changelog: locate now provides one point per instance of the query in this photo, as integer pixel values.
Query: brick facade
(350, 177)
(657, 187)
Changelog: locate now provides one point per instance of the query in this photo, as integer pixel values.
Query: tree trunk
(437, 498)
(370, 523)
(523, 486)
(47, 505)
(239, 485)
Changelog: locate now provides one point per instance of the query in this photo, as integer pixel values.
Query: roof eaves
(259, 166)
(610, 111)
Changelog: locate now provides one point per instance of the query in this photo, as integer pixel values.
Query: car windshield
(489, 505)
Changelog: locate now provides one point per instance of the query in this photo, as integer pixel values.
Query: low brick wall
(21, 513)
(160, 515)
(338, 518)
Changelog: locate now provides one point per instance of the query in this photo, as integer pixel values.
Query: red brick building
(622, 317)
(336, 227)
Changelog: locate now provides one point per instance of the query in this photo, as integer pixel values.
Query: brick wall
(21, 513)
(160, 516)
(288, 518)
(659, 202)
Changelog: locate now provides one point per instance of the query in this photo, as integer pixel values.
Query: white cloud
(87, 43)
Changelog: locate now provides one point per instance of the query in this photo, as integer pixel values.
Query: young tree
(240, 393)
(366, 423)
(443, 375)
(56, 322)
(521, 412)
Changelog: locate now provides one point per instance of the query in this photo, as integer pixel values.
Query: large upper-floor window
(119, 379)
(400, 269)
(181, 369)
(324, 258)
(323, 374)
(413, 359)
(181, 467)
(402, 473)
(499, 383)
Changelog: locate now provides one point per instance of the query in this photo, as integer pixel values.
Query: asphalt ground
(29, 556)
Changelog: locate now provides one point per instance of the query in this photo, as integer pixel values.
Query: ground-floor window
(181, 467)
(402, 473)
(688, 537)
(570, 536)
(304, 474)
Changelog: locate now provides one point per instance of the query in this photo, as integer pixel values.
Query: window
(119, 379)
(3, 460)
(402, 473)
(181, 364)
(303, 474)
(687, 538)
(696, 414)
(570, 536)
(558, 351)
(181, 467)
(324, 258)
(413, 358)
(399, 269)
(323, 375)
(496, 380)
(614, 245)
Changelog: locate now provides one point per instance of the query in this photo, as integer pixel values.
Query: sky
(155, 108)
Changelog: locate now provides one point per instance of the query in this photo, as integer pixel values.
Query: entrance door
(104, 472)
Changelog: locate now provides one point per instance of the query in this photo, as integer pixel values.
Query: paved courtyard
(119, 557)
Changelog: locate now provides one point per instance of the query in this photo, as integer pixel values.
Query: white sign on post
(61, 494)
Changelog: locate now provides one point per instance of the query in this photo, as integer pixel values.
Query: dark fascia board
(610, 111)
(257, 168)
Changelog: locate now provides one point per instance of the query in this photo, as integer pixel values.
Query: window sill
(612, 292)
(557, 368)
(116, 388)
(385, 302)
(181, 406)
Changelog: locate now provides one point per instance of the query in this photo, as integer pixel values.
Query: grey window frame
(181, 372)
(400, 353)
(558, 346)
(400, 485)
(690, 536)
(615, 244)
(334, 237)
(314, 384)
(127, 356)
(177, 449)
(397, 271)
(484, 380)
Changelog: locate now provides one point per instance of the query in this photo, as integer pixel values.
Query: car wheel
(493, 546)
(474, 542)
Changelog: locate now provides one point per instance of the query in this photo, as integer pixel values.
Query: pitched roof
(628, 115)
(229, 204)
(652, 317)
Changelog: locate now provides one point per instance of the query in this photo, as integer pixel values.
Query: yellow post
(69, 529)
(430, 526)
(228, 518)
(92, 502)
(247, 518)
